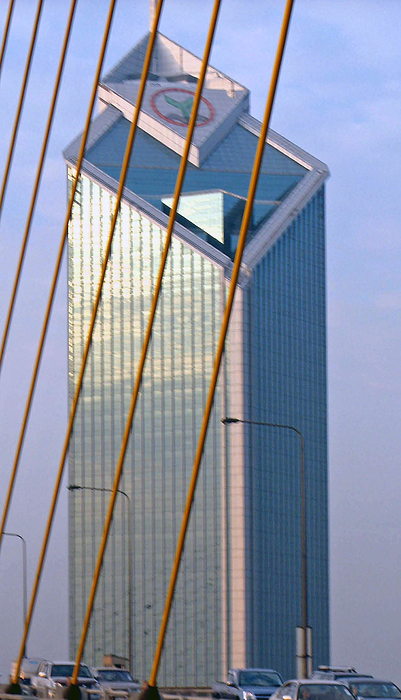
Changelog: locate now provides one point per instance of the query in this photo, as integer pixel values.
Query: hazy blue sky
(339, 98)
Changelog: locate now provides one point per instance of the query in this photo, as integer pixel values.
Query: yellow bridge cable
(6, 30)
(20, 102)
(93, 319)
(42, 339)
(219, 354)
(55, 275)
(127, 429)
(38, 178)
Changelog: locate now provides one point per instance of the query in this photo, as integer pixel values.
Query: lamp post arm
(75, 487)
(229, 421)
(24, 576)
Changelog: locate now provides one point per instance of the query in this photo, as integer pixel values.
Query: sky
(339, 98)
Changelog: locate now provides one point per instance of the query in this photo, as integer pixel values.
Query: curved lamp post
(24, 604)
(75, 487)
(229, 421)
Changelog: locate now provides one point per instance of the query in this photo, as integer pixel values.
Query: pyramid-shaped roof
(221, 159)
(169, 95)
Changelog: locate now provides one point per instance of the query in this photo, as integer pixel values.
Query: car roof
(254, 668)
(111, 668)
(315, 681)
(82, 663)
(371, 679)
(337, 669)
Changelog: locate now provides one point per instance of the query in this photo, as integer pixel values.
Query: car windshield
(30, 665)
(323, 691)
(66, 671)
(115, 675)
(260, 678)
(376, 690)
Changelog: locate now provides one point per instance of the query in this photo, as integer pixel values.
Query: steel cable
(6, 32)
(37, 179)
(124, 170)
(222, 339)
(41, 344)
(146, 343)
(20, 103)
(96, 304)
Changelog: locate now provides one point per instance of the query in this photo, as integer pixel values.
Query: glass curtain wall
(163, 440)
(286, 349)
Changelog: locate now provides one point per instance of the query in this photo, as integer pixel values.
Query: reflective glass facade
(285, 375)
(239, 597)
(153, 172)
(162, 446)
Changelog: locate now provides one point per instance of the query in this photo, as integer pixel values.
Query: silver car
(111, 678)
(310, 689)
(52, 676)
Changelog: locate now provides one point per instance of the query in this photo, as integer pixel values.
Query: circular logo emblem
(174, 105)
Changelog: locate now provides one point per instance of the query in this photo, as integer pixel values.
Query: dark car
(334, 673)
(310, 689)
(116, 679)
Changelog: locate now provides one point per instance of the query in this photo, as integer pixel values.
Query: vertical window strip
(205, 337)
(102, 398)
(253, 464)
(215, 630)
(71, 467)
(192, 591)
(162, 357)
(112, 537)
(143, 463)
(123, 232)
(81, 413)
(132, 234)
(152, 431)
(175, 253)
(184, 364)
(90, 372)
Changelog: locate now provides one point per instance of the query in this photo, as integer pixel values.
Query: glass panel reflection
(162, 444)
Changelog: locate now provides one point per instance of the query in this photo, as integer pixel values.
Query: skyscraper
(239, 594)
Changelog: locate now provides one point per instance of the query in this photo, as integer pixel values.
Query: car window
(291, 690)
(288, 690)
(66, 671)
(260, 678)
(376, 690)
(115, 675)
(323, 691)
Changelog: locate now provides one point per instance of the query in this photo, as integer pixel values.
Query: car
(247, 684)
(372, 688)
(334, 673)
(53, 675)
(114, 678)
(28, 668)
(313, 689)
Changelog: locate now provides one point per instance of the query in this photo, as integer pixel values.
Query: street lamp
(24, 604)
(229, 421)
(76, 487)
